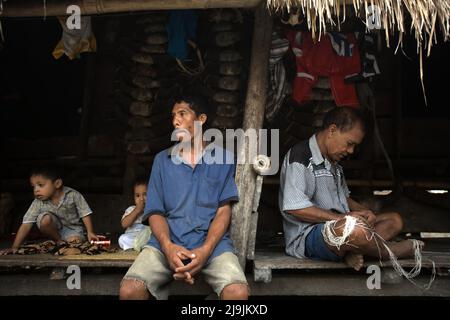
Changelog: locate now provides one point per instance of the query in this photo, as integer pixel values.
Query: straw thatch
(425, 15)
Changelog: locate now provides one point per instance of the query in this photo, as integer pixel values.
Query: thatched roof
(426, 16)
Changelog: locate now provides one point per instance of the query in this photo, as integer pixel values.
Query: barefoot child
(136, 234)
(58, 211)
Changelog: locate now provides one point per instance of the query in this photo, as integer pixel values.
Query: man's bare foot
(406, 248)
(354, 260)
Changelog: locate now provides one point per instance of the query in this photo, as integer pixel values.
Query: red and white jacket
(320, 59)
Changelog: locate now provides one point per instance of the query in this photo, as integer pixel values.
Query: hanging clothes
(76, 41)
(278, 88)
(181, 28)
(335, 56)
(369, 64)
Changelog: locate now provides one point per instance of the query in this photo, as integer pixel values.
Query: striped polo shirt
(308, 179)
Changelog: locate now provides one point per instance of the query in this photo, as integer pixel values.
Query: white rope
(330, 236)
(332, 239)
(415, 271)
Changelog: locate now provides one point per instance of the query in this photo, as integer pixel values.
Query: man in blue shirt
(188, 208)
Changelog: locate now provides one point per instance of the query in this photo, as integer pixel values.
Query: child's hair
(139, 181)
(48, 173)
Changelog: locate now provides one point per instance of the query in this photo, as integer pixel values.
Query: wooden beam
(36, 8)
(381, 183)
(253, 119)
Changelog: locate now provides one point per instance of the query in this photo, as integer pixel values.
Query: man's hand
(4, 252)
(366, 215)
(175, 255)
(201, 256)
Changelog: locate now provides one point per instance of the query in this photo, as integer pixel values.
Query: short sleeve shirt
(189, 197)
(71, 208)
(308, 179)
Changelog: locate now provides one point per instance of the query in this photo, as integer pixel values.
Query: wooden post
(253, 119)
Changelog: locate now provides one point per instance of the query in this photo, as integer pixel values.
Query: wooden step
(265, 262)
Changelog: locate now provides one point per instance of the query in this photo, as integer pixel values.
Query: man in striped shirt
(313, 191)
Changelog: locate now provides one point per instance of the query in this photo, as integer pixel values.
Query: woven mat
(119, 255)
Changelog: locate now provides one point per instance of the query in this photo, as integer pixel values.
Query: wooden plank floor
(279, 260)
(308, 281)
(311, 285)
(271, 260)
(118, 259)
(437, 250)
(437, 254)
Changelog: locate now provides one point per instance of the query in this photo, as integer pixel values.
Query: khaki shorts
(152, 268)
(65, 232)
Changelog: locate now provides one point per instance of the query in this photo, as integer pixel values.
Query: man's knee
(235, 292)
(359, 231)
(397, 221)
(131, 289)
(359, 236)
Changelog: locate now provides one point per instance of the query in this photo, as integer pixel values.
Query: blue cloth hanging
(182, 27)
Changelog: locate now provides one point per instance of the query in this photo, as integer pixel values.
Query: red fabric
(320, 59)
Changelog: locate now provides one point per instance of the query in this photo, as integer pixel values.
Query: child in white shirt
(136, 234)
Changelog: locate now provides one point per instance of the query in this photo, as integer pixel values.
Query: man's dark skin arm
(217, 229)
(318, 215)
(355, 206)
(315, 215)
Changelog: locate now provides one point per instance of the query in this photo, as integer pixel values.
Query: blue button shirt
(189, 197)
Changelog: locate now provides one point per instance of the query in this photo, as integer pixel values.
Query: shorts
(152, 268)
(316, 248)
(65, 232)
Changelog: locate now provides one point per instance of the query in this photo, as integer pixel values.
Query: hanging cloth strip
(278, 88)
(181, 31)
(76, 41)
(369, 64)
